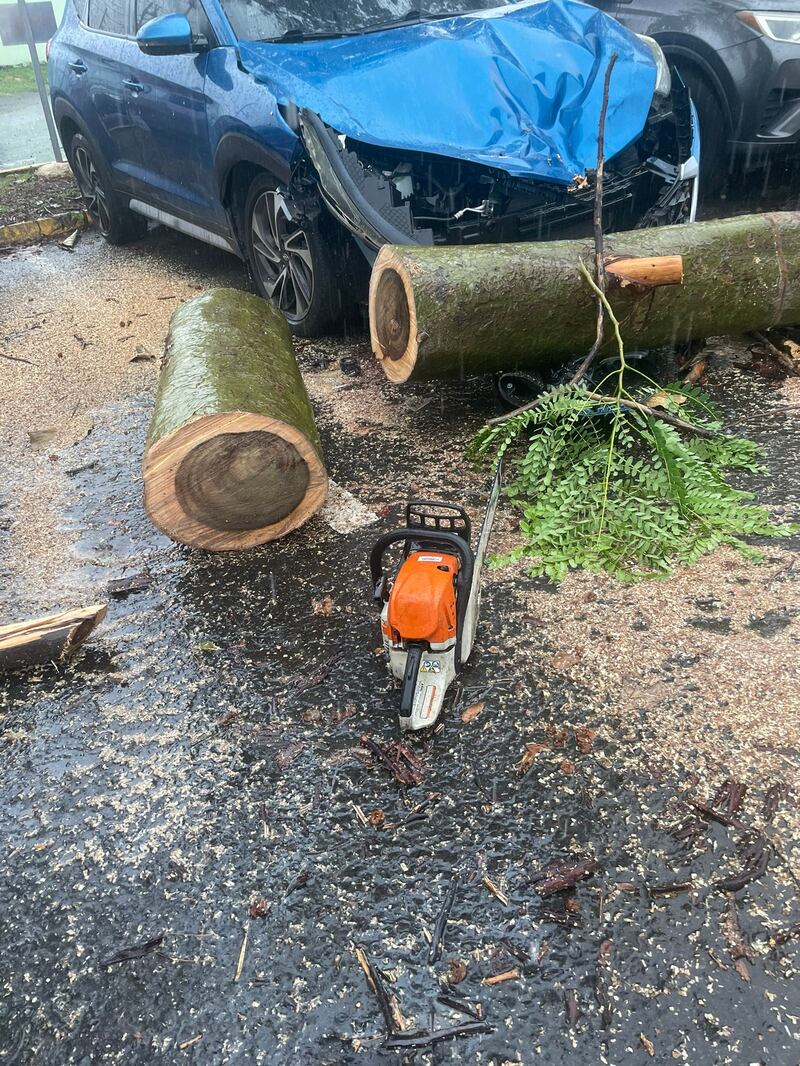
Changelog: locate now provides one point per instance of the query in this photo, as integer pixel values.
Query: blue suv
(302, 136)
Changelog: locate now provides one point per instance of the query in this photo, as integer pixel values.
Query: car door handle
(134, 86)
(78, 66)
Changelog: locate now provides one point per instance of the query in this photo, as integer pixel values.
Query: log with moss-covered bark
(457, 310)
(233, 455)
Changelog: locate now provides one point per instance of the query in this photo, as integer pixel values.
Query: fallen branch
(755, 859)
(628, 404)
(738, 948)
(395, 1023)
(403, 764)
(423, 1038)
(785, 360)
(667, 888)
(716, 816)
(437, 943)
(472, 1010)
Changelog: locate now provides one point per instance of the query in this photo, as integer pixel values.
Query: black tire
(117, 223)
(714, 133)
(294, 260)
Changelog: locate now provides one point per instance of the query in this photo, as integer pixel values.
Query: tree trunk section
(233, 455)
(52, 638)
(458, 310)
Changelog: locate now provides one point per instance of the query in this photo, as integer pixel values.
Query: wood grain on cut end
(232, 481)
(233, 455)
(392, 316)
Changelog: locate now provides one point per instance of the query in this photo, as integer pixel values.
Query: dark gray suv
(741, 62)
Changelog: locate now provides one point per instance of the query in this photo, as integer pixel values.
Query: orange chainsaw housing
(422, 603)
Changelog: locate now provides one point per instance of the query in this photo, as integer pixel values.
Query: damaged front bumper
(386, 196)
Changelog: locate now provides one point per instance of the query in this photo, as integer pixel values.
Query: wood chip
(499, 978)
(496, 892)
(529, 756)
(472, 712)
(242, 951)
(584, 738)
(565, 660)
(647, 1045)
(190, 1043)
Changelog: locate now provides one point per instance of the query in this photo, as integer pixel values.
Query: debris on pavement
(52, 638)
(120, 587)
(343, 512)
(135, 951)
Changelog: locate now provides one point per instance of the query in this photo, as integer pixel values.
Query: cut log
(52, 638)
(233, 455)
(451, 311)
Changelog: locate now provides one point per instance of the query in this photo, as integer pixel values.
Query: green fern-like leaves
(603, 487)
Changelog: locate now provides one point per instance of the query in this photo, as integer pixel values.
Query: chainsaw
(429, 610)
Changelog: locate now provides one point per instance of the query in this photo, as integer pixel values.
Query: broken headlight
(663, 76)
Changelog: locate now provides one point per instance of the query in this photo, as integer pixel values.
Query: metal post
(37, 73)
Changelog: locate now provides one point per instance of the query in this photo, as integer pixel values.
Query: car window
(258, 20)
(80, 8)
(110, 16)
(151, 9)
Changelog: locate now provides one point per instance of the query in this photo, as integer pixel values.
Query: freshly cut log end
(234, 458)
(51, 638)
(393, 316)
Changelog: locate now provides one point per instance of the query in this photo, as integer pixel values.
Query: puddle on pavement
(201, 755)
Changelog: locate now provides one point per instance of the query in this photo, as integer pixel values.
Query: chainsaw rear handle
(453, 542)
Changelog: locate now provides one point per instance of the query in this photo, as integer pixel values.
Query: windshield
(260, 20)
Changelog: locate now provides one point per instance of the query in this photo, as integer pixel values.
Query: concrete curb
(28, 168)
(40, 228)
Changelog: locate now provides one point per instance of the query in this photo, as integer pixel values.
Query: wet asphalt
(197, 775)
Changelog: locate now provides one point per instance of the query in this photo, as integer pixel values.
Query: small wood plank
(51, 638)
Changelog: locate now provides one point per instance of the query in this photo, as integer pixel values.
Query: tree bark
(233, 455)
(453, 311)
(52, 638)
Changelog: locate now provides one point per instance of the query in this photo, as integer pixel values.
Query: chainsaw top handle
(452, 542)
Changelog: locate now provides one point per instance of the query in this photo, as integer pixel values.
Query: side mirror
(168, 35)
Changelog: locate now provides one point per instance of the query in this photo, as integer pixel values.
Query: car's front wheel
(292, 260)
(117, 223)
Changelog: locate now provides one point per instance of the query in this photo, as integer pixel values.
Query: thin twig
(599, 264)
(17, 359)
(662, 416)
(437, 943)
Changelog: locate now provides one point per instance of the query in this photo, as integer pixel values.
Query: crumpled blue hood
(517, 87)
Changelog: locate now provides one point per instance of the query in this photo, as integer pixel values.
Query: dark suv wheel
(116, 222)
(292, 259)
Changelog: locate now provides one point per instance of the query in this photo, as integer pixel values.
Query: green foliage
(604, 487)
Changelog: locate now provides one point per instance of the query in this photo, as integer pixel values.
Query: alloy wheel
(92, 191)
(282, 256)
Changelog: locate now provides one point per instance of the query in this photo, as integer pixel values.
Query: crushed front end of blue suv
(401, 126)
